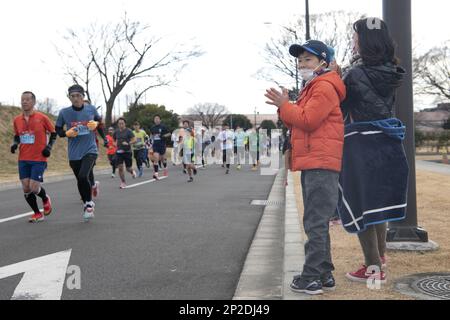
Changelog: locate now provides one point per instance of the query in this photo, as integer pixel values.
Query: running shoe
(95, 189)
(88, 213)
(37, 217)
(122, 185)
(47, 206)
(227, 172)
(328, 283)
(238, 167)
(191, 179)
(195, 171)
(141, 172)
(304, 286)
(166, 172)
(134, 174)
(362, 275)
(155, 176)
(113, 175)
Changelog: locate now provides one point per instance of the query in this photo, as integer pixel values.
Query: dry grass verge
(433, 205)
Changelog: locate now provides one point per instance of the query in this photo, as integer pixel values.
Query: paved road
(163, 240)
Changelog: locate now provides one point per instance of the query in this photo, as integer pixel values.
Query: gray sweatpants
(320, 198)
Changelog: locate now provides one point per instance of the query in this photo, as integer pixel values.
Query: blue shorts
(159, 148)
(33, 170)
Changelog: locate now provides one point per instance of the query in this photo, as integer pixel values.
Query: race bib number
(83, 130)
(27, 138)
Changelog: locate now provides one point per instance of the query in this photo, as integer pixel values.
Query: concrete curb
(294, 252)
(261, 276)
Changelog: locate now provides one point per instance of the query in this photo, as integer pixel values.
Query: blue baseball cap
(332, 53)
(315, 47)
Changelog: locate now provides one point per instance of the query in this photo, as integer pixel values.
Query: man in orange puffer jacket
(317, 138)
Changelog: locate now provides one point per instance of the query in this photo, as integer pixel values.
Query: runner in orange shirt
(111, 152)
(30, 136)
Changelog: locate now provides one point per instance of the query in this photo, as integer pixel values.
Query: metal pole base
(412, 246)
(406, 234)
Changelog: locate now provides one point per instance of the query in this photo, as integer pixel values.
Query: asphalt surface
(163, 240)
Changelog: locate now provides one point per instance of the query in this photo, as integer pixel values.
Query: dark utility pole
(308, 36)
(397, 15)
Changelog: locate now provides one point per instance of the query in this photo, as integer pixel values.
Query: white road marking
(43, 277)
(145, 182)
(19, 216)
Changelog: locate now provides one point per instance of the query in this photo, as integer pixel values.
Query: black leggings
(82, 169)
(139, 155)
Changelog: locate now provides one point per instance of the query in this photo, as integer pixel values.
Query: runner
(30, 136)
(188, 148)
(112, 148)
(139, 149)
(206, 141)
(226, 138)
(253, 146)
(124, 138)
(240, 146)
(175, 152)
(80, 120)
(159, 133)
(185, 127)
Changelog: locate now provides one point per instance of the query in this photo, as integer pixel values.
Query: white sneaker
(88, 213)
(113, 175)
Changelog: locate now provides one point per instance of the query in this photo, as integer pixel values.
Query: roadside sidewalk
(276, 253)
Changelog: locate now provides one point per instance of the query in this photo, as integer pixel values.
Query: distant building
(432, 119)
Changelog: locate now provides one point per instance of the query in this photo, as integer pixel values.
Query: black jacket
(371, 91)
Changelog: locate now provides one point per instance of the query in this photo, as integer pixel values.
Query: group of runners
(35, 135)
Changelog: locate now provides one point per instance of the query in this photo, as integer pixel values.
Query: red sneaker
(95, 189)
(36, 217)
(48, 206)
(361, 275)
(166, 173)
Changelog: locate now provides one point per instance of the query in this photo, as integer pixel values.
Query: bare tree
(125, 52)
(78, 61)
(333, 28)
(47, 105)
(431, 72)
(210, 114)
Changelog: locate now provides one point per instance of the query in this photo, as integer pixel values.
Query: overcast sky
(232, 34)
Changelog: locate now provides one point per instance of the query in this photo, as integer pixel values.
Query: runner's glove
(14, 147)
(47, 151)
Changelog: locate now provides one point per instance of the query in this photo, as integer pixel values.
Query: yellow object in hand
(92, 125)
(71, 133)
